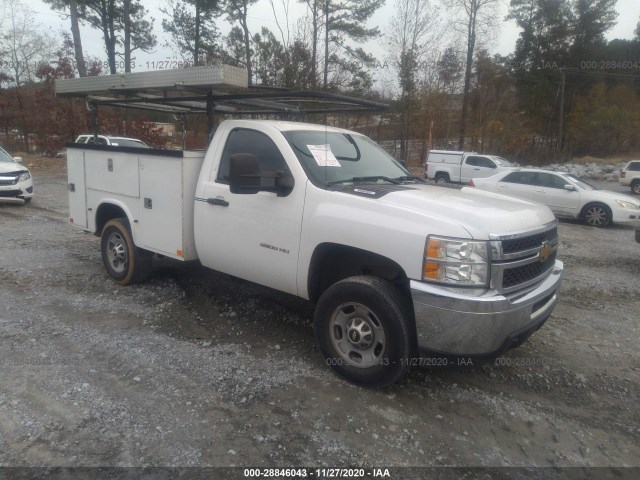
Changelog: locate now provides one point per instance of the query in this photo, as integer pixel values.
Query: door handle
(476, 169)
(218, 201)
(540, 191)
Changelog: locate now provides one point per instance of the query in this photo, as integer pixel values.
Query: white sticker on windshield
(323, 155)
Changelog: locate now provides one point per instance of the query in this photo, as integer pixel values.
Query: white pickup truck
(448, 166)
(400, 271)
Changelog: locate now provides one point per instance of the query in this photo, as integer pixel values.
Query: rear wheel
(635, 187)
(596, 215)
(442, 178)
(125, 263)
(362, 328)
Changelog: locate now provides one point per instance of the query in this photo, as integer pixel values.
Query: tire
(635, 187)
(27, 200)
(596, 215)
(362, 329)
(442, 178)
(125, 263)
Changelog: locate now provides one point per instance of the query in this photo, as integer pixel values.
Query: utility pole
(561, 132)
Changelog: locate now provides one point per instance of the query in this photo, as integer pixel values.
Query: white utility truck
(448, 166)
(401, 272)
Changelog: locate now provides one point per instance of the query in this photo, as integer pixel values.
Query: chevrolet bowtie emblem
(545, 252)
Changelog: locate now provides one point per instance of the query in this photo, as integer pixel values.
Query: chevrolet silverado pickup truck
(398, 270)
(448, 166)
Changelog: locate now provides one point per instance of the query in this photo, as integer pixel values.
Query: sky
(261, 14)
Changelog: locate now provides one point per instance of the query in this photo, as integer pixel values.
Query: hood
(479, 212)
(609, 195)
(12, 167)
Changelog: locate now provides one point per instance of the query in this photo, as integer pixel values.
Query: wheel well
(332, 262)
(591, 204)
(106, 212)
(635, 181)
(441, 174)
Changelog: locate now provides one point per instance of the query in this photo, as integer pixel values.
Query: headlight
(626, 204)
(24, 176)
(456, 262)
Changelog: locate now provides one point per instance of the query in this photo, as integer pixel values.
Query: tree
(592, 19)
(449, 74)
(237, 11)
(25, 48)
(410, 34)
(476, 15)
(192, 27)
(345, 19)
(115, 21)
(315, 28)
(605, 121)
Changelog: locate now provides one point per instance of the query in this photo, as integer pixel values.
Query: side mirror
(571, 188)
(245, 177)
(18, 159)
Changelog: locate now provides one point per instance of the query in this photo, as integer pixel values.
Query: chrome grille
(532, 241)
(8, 178)
(521, 275)
(523, 259)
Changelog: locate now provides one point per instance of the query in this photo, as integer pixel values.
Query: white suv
(630, 176)
(115, 141)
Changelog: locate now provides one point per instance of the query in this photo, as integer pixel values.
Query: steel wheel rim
(596, 216)
(441, 180)
(117, 252)
(357, 335)
(636, 188)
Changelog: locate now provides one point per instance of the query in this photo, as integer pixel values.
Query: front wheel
(635, 187)
(125, 263)
(362, 329)
(597, 215)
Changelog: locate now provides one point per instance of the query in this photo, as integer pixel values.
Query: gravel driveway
(196, 368)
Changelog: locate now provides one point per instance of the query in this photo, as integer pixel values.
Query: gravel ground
(195, 368)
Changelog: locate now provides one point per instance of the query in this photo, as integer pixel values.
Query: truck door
(475, 166)
(251, 236)
(77, 187)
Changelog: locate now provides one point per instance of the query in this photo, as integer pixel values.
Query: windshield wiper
(373, 178)
(409, 178)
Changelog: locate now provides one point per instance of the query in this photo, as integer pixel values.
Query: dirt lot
(196, 368)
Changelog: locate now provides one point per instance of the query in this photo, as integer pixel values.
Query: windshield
(581, 183)
(503, 162)
(5, 157)
(332, 157)
(125, 142)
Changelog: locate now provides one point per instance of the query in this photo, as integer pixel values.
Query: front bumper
(625, 215)
(451, 323)
(19, 191)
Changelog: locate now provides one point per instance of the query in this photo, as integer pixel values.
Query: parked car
(108, 140)
(565, 194)
(630, 176)
(16, 182)
(448, 166)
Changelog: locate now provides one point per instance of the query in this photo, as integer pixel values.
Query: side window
(485, 162)
(634, 167)
(242, 140)
(92, 141)
(518, 177)
(550, 181)
(473, 161)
